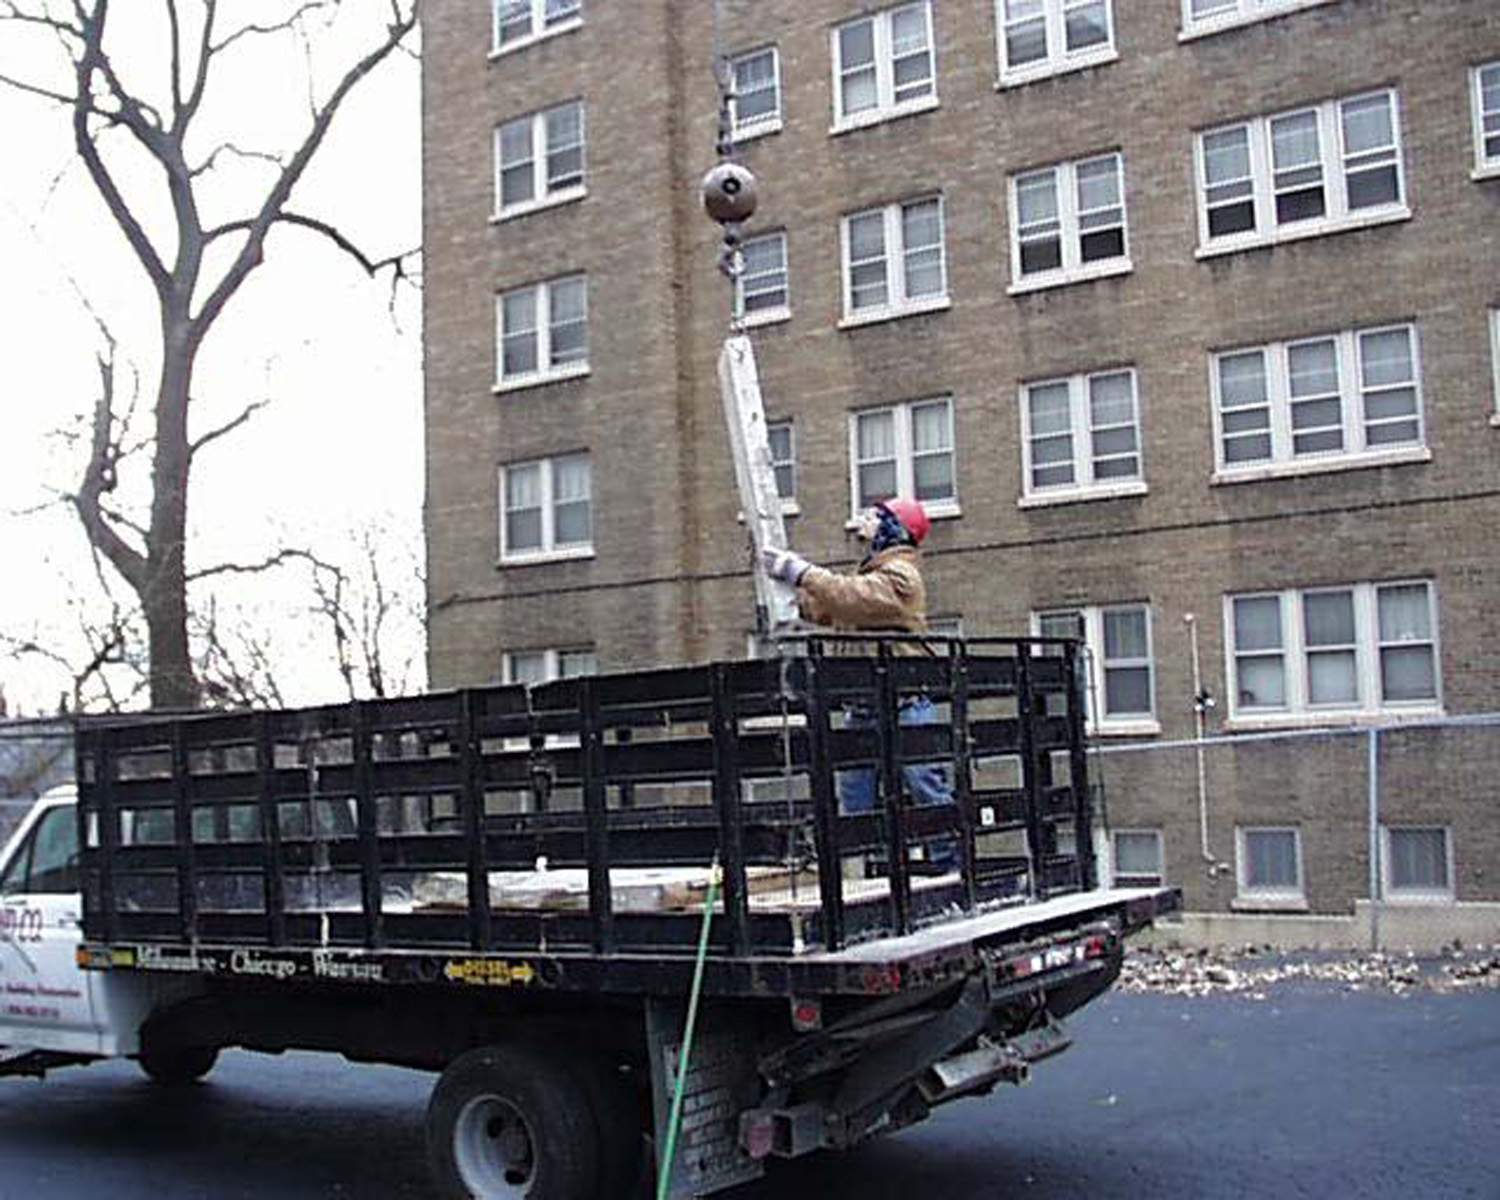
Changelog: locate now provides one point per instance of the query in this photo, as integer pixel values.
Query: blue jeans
(927, 785)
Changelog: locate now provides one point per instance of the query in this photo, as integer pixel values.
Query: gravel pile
(1253, 970)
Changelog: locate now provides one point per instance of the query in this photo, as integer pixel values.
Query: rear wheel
(507, 1122)
(620, 1121)
(178, 1066)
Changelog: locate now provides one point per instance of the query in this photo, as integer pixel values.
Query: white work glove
(785, 565)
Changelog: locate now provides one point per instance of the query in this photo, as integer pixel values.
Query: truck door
(44, 996)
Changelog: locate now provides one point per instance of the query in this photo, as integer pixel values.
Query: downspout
(1202, 702)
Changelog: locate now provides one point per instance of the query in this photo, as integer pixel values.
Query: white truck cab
(47, 1002)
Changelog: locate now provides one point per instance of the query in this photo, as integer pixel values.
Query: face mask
(869, 524)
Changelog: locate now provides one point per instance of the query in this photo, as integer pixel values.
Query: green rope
(684, 1056)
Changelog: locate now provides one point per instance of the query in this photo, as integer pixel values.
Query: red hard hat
(911, 514)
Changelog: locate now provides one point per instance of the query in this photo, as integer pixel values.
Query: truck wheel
(179, 1066)
(621, 1125)
(506, 1122)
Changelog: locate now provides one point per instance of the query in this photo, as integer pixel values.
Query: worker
(886, 594)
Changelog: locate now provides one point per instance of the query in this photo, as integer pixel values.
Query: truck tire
(621, 1124)
(506, 1122)
(178, 1066)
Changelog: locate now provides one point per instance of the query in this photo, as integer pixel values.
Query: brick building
(1164, 307)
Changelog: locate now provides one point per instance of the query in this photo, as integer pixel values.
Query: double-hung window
(1081, 437)
(543, 332)
(1417, 862)
(1351, 649)
(518, 23)
(761, 293)
(1200, 17)
(539, 160)
(894, 261)
(546, 509)
(1138, 857)
(1325, 402)
(1485, 86)
(904, 450)
(781, 437)
(756, 103)
(884, 66)
(1269, 861)
(1311, 171)
(1495, 360)
(543, 666)
(1120, 686)
(1067, 223)
(1048, 37)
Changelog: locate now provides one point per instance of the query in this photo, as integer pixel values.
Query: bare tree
(192, 287)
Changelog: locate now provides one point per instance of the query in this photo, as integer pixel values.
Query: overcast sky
(339, 444)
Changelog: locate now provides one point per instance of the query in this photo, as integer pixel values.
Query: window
(894, 261)
(518, 23)
(1318, 403)
(1067, 223)
(1138, 857)
(1048, 37)
(756, 104)
(1312, 171)
(47, 862)
(904, 450)
(543, 332)
(1081, 436)
(1117, 649)
(1495, 359)
(1361, 648)
(543, 666)
(883, 66)
(1270, 865)
(1418, 863)
(1201, 17)
(539, 160)
(761, 294)
(1486, 89)
(546, 509)
(784, 462)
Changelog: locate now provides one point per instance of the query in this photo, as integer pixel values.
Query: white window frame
(1059, 59)
(544, 372)
(1495, 361)
(775, 313)
(1268, 897)
(897, 303)
(761, 126)
(540, 30)
(544, 196)
(1356, 452)
(886, 108)
(1485, 166)
(1084, 485)
(1338, 216)
(1073, 269)
(549, 551)
(1236, 14)
(1416, 895)
(1297, 709)
(905, 457)
(1102, 723)
(1153, 879)
(552, 658)
(789, 505)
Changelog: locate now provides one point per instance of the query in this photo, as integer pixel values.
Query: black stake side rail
(269, 806)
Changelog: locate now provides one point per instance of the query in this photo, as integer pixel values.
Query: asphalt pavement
(1310, 1092)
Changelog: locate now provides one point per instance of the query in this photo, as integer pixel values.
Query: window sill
(1495, 421)
(556, 200)
(1417, 899)
(1301, 232)
(1210, 27)
(889, 313)
(759, 130)
(1490, 171)
(1269, 904)
(1114, 491)
(539, 557)
(525, 43)
(1126, 729)
(1290, 722)
(879, 116)
(1056, 279)
(765, 316)
(1031, 73)
(541, 379)
(789, 508)
(1324, 466)
(937, 510)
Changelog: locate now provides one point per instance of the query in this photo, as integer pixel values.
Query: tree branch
(370, 265)
(230, 148)
(189, 107)
(278, 27)
(227, 428)
(99, 477)
(280, 558)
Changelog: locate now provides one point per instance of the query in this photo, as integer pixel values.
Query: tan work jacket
(886, 595)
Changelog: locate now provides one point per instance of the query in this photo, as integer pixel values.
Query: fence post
(1372, 773)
